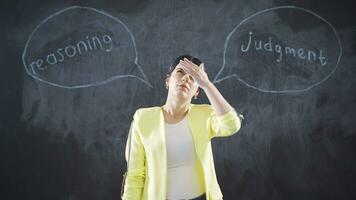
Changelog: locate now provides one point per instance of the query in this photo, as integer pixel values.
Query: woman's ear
(167, 81)
(196, 95)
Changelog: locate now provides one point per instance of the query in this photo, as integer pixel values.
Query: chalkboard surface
(74, 72)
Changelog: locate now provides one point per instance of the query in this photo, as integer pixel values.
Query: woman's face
(181, 84)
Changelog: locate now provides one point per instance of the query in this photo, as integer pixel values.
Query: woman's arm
(224, 121)
(218, 102)
(135, 157)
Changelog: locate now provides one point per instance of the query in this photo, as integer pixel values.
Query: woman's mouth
(183, 87)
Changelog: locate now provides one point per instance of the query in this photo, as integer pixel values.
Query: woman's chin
(182, 94)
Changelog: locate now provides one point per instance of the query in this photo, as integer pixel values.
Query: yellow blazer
(147, 172)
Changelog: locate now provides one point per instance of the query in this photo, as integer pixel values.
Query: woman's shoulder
(149, 109)
(143, 111)
(202, 107)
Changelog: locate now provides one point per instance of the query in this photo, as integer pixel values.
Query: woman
(169, 154)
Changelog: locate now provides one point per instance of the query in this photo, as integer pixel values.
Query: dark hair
(176, 62)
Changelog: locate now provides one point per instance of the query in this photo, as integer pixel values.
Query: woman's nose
(186, 78)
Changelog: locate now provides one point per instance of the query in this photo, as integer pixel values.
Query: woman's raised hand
(197, 72)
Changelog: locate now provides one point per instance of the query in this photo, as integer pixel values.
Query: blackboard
(74, 72)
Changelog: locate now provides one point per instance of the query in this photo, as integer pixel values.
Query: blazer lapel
(194, 127)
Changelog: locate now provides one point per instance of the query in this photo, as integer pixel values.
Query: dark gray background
(60, 143)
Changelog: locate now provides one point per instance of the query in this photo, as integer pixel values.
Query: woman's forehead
(179, 66)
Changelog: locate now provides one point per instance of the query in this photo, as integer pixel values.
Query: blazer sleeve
(224, 125)
(135, 158)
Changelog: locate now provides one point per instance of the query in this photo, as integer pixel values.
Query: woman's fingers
(186, 65)
(202, 66)
(197, 72)
(188, 68)
(189, 64)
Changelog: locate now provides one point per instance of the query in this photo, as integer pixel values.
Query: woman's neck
(176, 109)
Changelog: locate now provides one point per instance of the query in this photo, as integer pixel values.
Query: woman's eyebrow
(179, 68)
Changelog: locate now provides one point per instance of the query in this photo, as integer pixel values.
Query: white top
(183, 166)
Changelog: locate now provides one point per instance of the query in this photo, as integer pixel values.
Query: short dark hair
(176, 62)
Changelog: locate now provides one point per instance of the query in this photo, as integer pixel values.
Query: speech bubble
(81, 47)
(281, 49)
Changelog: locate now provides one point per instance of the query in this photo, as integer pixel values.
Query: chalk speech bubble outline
(144, 79)
(217, 78)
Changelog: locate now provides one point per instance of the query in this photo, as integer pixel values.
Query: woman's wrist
(207, 86)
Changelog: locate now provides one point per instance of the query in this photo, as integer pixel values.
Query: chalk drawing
(269, 46)
(87, 44)
(274, 48)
